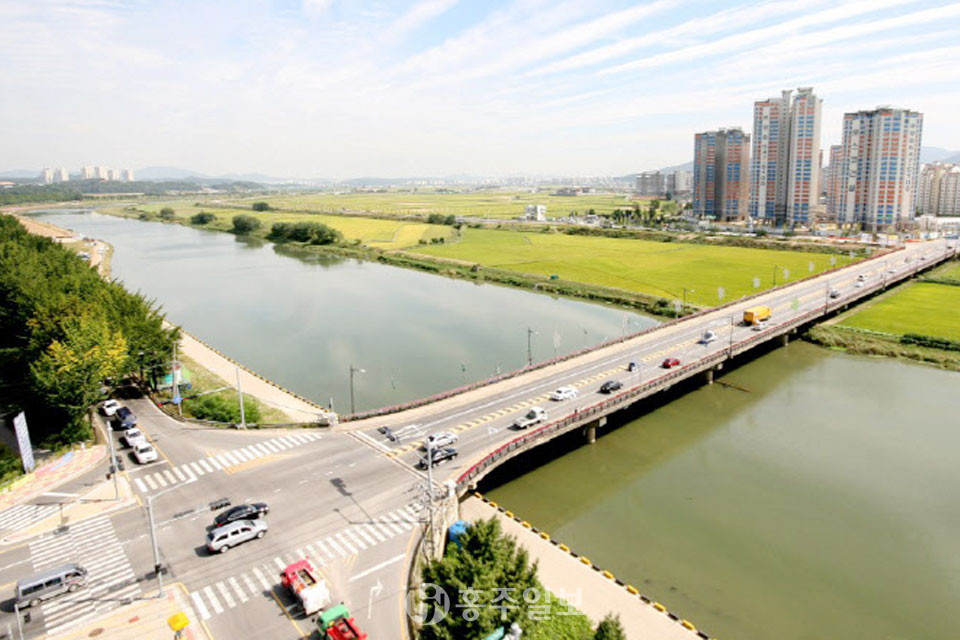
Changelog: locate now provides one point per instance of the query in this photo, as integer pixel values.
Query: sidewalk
(144, 620)
(56, 472)
(564, 572)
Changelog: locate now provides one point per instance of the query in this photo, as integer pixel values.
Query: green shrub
(244, 224)
(260, 206)
(219, 408)
(167, 213)
(930, 341)
(202, 218)
(309, 232)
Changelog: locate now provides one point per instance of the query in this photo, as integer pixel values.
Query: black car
(124, 419)
(438, 456)
(610, 386)
(242, 512)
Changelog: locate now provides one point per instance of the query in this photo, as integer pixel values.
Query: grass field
(923, 308)
(656, 268)
(949, 271)
(485, 204)
(378, 233)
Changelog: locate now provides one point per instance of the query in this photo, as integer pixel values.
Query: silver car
(222, 538)
(439, 439)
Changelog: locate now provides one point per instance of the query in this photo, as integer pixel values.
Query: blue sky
(337, 88)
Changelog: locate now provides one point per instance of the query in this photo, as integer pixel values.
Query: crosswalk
(261, 579)
(24, 515)
(190, 471)
(94, 545)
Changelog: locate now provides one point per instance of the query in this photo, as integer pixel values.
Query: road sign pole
(243, 415)
(156, 549)
(113, 463)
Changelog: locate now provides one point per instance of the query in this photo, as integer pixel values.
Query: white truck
(536, 415)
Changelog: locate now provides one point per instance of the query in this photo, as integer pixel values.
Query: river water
(302, 319)
(816, 497)
(817, 500)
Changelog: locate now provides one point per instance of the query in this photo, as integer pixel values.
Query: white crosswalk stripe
(227, 598)
(199, 606)
(150, 483)
(212, 597)
(24, 515)
(94, 545)
(197, 468)
(236, 588)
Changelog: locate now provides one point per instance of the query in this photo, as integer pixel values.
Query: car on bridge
(670, 363)
(610, 386)
(536, 415)
(439, 439)
(437, 456)
(834, 293)
(564, 393)
(708, 337)
(253, 511)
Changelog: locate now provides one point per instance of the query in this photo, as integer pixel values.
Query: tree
(202, 218)
(244, 224)
(260, 206)
(167, 213)
(610, 629)
(477, 571)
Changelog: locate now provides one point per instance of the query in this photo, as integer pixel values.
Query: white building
(47, 176)
(536, 212)
(127, 175)
(61, 175)
(88, 173)
(101, 173)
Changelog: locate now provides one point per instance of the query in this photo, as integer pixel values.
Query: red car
(670, 363)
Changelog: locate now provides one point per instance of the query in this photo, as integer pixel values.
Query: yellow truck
(756, 315)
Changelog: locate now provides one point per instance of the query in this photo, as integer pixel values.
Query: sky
(346, 88)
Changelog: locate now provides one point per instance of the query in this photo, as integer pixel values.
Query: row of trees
(475, 572)
(309, 232)
(65, 333)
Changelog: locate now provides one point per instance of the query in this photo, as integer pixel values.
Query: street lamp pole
(243, 415)
(530, 334)
(113, 463)
(156, 549)
(353, 370)
(775, 267)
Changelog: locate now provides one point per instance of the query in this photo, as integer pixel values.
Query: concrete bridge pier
(709, 373)
(590, 430)
(785, 339)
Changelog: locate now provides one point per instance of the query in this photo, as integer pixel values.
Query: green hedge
(930, 341)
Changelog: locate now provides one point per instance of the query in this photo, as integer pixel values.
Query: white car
(144, 453)
(110, 407)
(133, 437)
(708, 337)
(440, 439)
(564, 393)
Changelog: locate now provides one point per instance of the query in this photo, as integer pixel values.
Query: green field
(655, 268)
(485, 204)
(949, 271)
(373, 232)
(922, 308)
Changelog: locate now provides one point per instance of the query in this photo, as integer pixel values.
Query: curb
(629, 588)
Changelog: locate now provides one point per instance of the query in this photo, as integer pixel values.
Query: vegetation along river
(302, 319)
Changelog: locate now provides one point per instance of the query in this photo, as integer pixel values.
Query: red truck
(336, 624)
(306, 585)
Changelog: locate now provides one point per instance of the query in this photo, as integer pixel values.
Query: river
(302, 319)
(816, 498)
(819, 500)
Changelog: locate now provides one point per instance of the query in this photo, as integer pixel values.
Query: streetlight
(353, 370)
(685, 296)
(157, 567)
(530, 334)
(775, 267)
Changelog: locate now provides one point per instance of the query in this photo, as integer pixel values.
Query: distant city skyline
(330, 89)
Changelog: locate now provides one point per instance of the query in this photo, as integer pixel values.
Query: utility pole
(113, 464)
(156, 550)
(353, 370)
(530, 334)
(243, 415)
(732, 328)
(685, 297)
(173, 380)
(775, 267)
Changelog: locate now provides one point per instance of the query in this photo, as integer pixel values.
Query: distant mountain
(937, 154)
(954, 159)
(20, 173)
(686, 166)
(166, 173)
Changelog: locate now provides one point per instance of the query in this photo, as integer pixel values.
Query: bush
(243, 224)
(202, 218)
(930, 341)
(167, 213)
(224, 409)
(309, 232)
(439, 218)
(260, 206)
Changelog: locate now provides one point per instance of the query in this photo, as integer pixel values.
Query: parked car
(221, 539)
(110, 407)
(564, 393)
(670, 363)
(133, 437)
(440, 439)
(124, 419)
(708, 337)
(610, 386)
(255, 511)
(144, 453)
(437, 456)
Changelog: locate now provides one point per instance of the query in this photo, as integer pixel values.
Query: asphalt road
(347, 500)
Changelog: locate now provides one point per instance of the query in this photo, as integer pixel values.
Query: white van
(47, 584)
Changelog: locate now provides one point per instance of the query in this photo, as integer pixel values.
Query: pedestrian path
(93, 544)
(24, 515)
(190, 471)
(232, 591)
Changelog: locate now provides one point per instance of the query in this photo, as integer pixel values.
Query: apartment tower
(720, 164)
(784, 174)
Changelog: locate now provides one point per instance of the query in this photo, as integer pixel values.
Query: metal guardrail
(627, 398)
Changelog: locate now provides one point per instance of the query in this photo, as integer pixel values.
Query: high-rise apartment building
(46, 176)
(61, 175)
(127, 175)
(101, 173)
(937, 187)
(784, 174)
(678, 182)
(88, 173)
(879, 165)
(831, 187)
(651, 183)
(721, 160)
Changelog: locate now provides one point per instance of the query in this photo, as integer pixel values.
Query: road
(348, 500)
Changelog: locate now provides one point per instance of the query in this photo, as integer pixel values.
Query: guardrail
(660, 383)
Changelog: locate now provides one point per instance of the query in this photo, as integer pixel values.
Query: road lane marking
(179, 474)
(349, 547)
(236, 587)
(212, 598)
(150, 483)
(252, 587)
(206, 467)
(199, 606)
(196, 467)
(335, 546)
(263, 581)
(375, 568)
